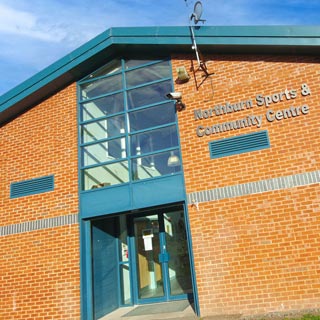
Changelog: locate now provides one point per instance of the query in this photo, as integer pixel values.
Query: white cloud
(35, 33)
(25, 24)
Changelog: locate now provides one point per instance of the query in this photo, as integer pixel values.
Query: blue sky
(36, 33)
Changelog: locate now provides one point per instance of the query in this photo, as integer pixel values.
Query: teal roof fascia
(81, 61)
(53, 71)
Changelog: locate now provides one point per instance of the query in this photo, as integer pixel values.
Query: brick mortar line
(35, 225)
(232, 191)
(267, 185)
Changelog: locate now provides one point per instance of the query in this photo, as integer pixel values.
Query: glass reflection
(124, 261)
(102, 107)
(148, 74)
(112, 114)
(107, 175)
(152, 117)
(147, 95)
(101, 86)
(125, 284)
(103, 129)
(179, 265)
(154, 140)
(111, 67)
(104, 151)
(154, 166)
(150, 282)
(131, 63)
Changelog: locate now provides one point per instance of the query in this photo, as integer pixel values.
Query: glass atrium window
(128, 127)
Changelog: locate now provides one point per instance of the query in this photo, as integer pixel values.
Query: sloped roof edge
(81, 61)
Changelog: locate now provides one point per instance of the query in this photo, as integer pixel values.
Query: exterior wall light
(183, 75)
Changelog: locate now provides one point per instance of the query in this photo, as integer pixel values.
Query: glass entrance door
(161, 256)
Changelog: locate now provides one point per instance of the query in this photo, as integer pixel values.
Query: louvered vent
(33, 186)
(239, 144)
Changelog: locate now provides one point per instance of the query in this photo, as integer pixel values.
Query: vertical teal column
(86, 271)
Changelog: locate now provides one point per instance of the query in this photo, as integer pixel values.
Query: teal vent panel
(239, 144)
(33, 186)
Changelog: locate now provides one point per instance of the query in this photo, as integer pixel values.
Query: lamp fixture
(173, 160)
(183, 75)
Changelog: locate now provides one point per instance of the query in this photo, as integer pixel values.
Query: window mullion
(115, 125)
(127, 121)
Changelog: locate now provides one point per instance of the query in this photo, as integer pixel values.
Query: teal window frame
(127, 111)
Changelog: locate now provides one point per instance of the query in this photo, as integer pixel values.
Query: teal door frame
(164, 258)
(86, 271)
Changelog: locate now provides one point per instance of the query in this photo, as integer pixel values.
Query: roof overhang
(148, 40)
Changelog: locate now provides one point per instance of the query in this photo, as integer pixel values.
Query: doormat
(175, 306)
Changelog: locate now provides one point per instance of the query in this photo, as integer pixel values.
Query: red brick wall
(39, 276)
(258, 253)
(253, 254)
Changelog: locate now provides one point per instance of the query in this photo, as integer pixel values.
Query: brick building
(111, 195)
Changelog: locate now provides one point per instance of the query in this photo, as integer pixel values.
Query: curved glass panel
(104, 151)
(148, 265)
(119, 124)
(148, 74)
(111, 67)
(150, 94)
(123, 252)
(99, 87)
(154, 140)
(107, 175)
(155, 165)
(103, 129)
(177, 246)
(102, 107)
(131, 63)
(152, 117)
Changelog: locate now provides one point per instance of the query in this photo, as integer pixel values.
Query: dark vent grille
(239, 144)
(33, 186)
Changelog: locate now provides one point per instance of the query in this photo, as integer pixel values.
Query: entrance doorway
(139, 258)
(161, 256)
